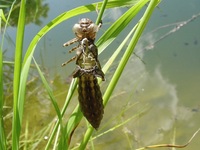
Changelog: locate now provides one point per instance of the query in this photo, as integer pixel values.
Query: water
(166, 84)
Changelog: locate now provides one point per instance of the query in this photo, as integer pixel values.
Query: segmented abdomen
(90, 99)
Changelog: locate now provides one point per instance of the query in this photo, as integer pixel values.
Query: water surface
(164, 80)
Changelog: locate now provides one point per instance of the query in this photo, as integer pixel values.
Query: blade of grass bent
(18, 103)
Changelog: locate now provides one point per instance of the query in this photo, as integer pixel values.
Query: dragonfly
(87, 70)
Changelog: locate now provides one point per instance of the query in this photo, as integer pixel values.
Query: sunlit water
(163, 82)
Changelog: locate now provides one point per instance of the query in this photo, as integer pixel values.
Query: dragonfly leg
(71, 42)
(74, 48)
(72, 59)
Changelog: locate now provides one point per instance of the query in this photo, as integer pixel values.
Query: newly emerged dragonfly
(87, 70)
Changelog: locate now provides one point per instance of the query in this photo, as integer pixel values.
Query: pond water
(163, 78)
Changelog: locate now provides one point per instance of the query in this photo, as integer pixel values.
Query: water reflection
(36, 10)
(156, 91)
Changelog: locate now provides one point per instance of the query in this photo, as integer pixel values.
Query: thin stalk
(103, 7)
(17, 118)
(86, 138)
(2, 135)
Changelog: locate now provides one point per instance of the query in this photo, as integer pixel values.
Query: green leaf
(2, 17)
(2, 131)
(18, 103)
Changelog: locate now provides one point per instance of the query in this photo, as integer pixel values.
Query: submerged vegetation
(34, 11)
(19, 84)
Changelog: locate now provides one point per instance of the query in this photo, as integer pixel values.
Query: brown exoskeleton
(87, 70)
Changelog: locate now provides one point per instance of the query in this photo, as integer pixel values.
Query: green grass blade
(2, 17)
(2, 131)
(2, 136)
(18, 103)
(50, 92)
(101, 11)
(71, 90)
(6, 21)
(53, 100)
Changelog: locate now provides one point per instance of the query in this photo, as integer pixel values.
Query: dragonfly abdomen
(90, 99)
